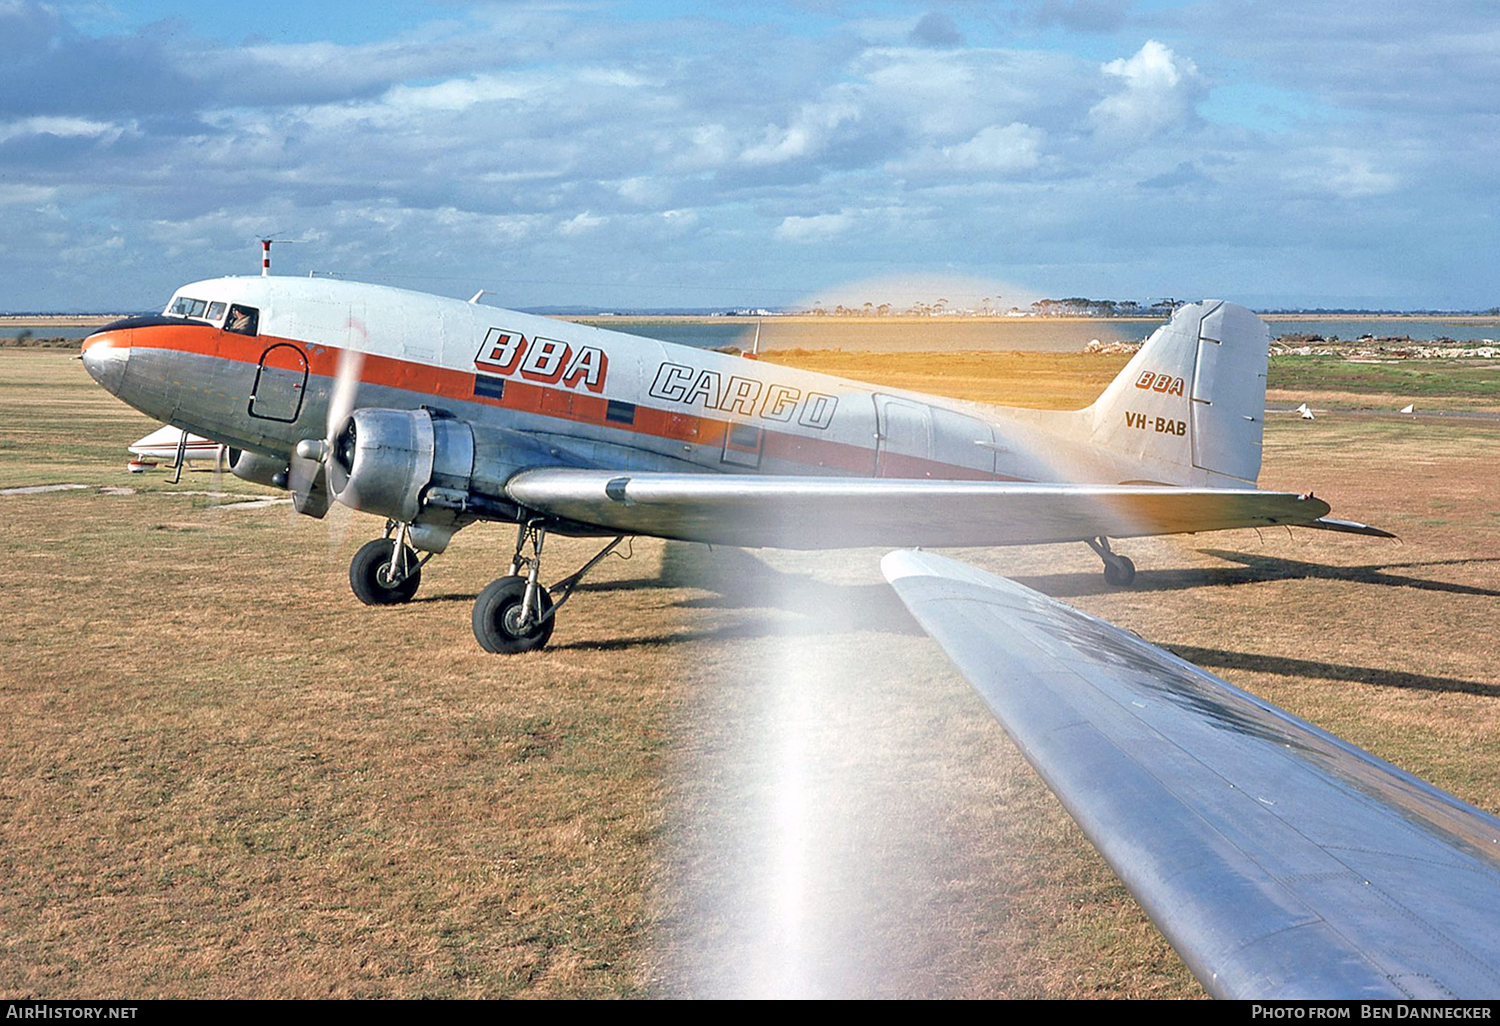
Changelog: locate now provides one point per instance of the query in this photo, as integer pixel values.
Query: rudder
(1190, 405)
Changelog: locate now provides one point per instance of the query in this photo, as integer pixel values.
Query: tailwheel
(1119, 571)
(383, 575)
(505, 623)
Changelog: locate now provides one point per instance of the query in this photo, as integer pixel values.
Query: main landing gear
(387, 571)
(1118, 570)
(516, 613)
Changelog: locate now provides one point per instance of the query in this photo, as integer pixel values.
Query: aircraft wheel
(497, 617)
(1119, 571)
(369, 575)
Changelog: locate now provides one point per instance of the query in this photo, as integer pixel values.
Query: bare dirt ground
(734, 773)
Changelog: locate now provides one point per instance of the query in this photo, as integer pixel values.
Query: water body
(1054, 335)
(70, 331)
(1479, 331)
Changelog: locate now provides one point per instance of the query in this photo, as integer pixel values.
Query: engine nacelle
(252, 466)
(428, 470)
(384, 460)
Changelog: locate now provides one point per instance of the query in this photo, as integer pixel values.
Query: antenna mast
(265, 253)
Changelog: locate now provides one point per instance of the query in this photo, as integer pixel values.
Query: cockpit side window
(244, 320)
(215, 312)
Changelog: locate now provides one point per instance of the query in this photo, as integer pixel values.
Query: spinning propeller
(319, 461)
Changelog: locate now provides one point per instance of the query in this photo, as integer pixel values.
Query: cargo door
(964, 445)
(903, 438)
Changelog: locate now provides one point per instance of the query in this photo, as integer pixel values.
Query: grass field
(733, 773)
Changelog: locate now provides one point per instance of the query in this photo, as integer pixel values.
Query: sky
(630, 155)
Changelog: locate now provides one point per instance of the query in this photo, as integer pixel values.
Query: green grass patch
(1412, 379)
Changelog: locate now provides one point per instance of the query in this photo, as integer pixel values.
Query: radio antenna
(265, 252)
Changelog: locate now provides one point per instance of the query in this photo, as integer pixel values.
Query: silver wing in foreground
(1279, 861)
(817, 513)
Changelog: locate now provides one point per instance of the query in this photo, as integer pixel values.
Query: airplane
(436, 413)
(174, 447)
(1280, 862)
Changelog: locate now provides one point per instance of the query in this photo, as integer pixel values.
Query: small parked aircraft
(436, 413)
(176, 448)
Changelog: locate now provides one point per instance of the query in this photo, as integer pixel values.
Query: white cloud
(59, 126)
(1341, 173)
(995, 150)
(1157, 89)
(583, 222)
(812, 128)
(818, 228)
(27, 195)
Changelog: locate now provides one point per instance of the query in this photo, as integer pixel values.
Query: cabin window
(243, 320)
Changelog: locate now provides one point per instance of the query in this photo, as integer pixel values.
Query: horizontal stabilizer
(808, 513)
(1348, 527)
(1279, 861)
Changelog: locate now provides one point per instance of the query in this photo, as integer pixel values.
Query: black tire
(368, 574)
(498, 608)
(1119, 571)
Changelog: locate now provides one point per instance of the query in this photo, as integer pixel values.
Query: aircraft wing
(1279, 861)
(817, 513)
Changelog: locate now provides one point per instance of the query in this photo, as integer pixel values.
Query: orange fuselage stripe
(521, 396)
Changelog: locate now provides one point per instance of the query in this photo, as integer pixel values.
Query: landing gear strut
(1118, 570)
(387, 571)
(516, 613)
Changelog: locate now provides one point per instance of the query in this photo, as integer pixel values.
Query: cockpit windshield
(186, 306)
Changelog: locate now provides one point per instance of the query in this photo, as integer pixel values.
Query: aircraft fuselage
(258, 375)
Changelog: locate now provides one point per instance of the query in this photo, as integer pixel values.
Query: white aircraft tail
(1189, 407)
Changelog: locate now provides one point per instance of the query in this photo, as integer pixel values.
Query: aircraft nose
(105, 355)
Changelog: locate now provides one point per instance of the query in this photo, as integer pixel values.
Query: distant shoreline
(604, 320)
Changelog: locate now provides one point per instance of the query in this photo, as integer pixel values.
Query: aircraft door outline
(743, 444)
(903, 437)
(280, 384)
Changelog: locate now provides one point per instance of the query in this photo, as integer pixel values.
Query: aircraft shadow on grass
(732, 579)
(1220, 659)
(1255, 569)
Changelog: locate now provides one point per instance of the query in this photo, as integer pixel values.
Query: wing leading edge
(1277, 859)
(816, 513)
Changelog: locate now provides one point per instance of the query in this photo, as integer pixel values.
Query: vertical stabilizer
(1189, 407)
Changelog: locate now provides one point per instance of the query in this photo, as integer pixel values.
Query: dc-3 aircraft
(1277, 859)
(436, 413)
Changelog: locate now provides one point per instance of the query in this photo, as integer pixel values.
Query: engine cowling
(383, 461)
(252, 466)
(429, 470)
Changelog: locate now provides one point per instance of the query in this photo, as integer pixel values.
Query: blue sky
(624, 154)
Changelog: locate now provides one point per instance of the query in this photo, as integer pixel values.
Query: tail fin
(1189, 407)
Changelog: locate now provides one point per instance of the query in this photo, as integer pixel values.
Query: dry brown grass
(1054, 381)
(221, 775)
